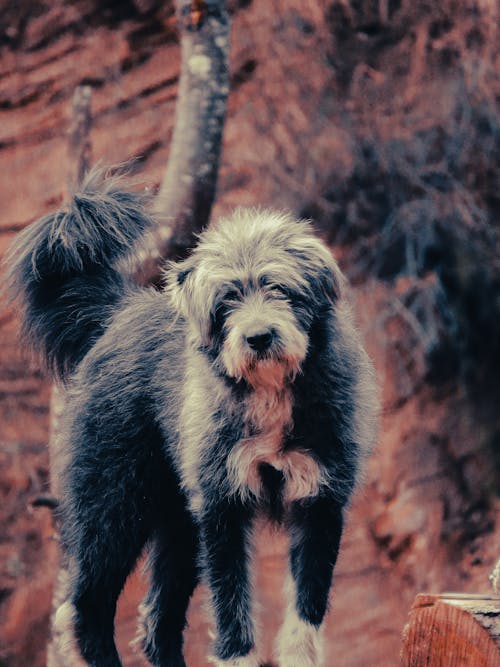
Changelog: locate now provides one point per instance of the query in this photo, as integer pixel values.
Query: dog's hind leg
(86, 619)
(107, 517)
(173, 577)
(99, 580)
(316, 529)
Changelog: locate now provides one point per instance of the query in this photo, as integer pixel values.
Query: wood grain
(453, 630)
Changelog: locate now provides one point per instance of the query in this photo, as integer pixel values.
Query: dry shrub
(422, 199)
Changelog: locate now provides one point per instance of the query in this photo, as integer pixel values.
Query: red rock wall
(306, 79)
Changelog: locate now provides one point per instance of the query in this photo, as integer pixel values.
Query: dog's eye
(231, 295)
(269, 284)
(279, 291)
(295, 298)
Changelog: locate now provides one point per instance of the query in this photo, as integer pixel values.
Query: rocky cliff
(378, 119)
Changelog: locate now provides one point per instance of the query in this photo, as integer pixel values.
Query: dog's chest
(267, 419)
(267, 422)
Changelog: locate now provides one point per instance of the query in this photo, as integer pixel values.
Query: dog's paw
(299, 644)
(250, 660)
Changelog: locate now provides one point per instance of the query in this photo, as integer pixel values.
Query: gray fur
(241, 390)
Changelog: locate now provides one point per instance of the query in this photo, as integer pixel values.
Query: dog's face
(251, 291)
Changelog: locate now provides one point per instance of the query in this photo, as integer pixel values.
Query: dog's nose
(260, 341)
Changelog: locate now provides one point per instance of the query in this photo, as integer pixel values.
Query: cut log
(453, 630)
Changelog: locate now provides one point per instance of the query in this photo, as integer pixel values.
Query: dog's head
(251, 291)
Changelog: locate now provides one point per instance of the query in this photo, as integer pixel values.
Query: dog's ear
(191, 293)
(178, 284)
(323, 273)
(331, 281)
(183, 274)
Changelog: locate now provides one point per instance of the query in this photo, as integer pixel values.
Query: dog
(239, 391)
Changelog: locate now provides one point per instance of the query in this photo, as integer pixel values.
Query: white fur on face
(268, 407)
(299, 643)
(283, 359)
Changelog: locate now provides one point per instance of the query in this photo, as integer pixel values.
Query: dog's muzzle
(261, 341)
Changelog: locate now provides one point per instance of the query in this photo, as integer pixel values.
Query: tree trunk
(188, 188)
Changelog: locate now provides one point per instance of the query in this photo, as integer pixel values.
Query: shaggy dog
(240, 391)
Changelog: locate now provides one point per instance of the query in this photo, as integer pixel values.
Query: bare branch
(188, 188)
(79, 146)
(45, 500)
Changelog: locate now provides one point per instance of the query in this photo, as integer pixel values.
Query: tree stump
(453, 630)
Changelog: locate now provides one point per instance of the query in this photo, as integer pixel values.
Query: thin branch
(188, 189)
(79, 145)
(45, 500)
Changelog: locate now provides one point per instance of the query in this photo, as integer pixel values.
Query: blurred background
(380, 120)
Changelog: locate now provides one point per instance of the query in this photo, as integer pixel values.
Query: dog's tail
(64, 269)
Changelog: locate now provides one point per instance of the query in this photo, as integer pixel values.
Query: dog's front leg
(316, 529)
(225, 531)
